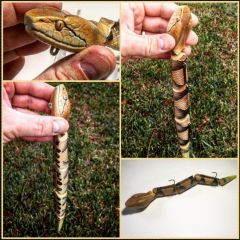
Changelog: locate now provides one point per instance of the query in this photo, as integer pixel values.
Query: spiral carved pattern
(181, 104)
(60, 175)
(190, 182)
(142, 200)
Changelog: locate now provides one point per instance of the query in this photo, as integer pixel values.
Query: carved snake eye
(59, 25)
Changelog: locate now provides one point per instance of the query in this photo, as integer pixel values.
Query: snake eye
(59, 25)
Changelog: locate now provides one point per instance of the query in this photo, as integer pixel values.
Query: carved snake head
(179, 26)
(140, 200)
(59, 103)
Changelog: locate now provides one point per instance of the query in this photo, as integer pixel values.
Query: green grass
(147, 107)
(93, 195)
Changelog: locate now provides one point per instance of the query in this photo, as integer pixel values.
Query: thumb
(39, 126)
(147, 45)
(95, 62)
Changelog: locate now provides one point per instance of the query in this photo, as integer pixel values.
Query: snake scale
(179, 26)
(70, 32)
(60, 107)
(142, 200)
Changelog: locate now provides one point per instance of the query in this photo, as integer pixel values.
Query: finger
(26, 101)
(166, 55)
(35, 89)
(30, 49)
(34, 139)
(159, 25)
(38, 139)
(11, 39)
(11, 69)
(146, 45)
(160, 56)
(13, 13)
(6, 98)
(187, 50)
(124, 59)
(127, 15)
(194, 19)
(155, 24)
(23, 110)
(95, 62)
(164, 10)
(192, 38)
(29, 125)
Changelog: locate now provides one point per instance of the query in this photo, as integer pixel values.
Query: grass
(93, 193)
(147, 107)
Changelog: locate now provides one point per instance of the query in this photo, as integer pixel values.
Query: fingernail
(97, 62)
(161, 44)
(89, 70)
(58, 126)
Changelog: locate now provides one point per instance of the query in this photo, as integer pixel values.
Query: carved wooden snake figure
(70, 32)
(60, 107)
(142, 200)
(179, 26)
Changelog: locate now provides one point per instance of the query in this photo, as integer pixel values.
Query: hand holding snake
(79, 66)
(21, 102)
(144, 26)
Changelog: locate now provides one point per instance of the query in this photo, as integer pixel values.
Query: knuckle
(149, 43)
(41, 127)
(62, 74)
(29, 101)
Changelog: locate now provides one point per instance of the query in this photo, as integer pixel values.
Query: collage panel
(173, 107)
(101, 145)
(83, 38)
(172, 198)
(68, 187)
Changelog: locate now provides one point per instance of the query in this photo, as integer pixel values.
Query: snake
(179, 26)
(142, 200)
(60, 107)
(70, 32)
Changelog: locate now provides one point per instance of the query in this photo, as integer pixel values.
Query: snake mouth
(52, 41)
(33, 30)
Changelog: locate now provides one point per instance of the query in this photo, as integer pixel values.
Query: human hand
(16, 42)
(96, 62)
(20, 120)
(151, 18)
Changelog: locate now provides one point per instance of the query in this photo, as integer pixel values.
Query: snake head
(140, 200)
(54, 27)
(60, 104)
(179, 26)
(110, 30)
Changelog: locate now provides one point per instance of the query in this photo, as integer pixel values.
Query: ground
(93, 193)
(147, 106)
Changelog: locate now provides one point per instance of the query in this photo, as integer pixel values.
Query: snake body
(60, 107)
(70, 32)
(142, 200)
(179, 27)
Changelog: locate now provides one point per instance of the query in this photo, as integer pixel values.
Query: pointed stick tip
(60, 223)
